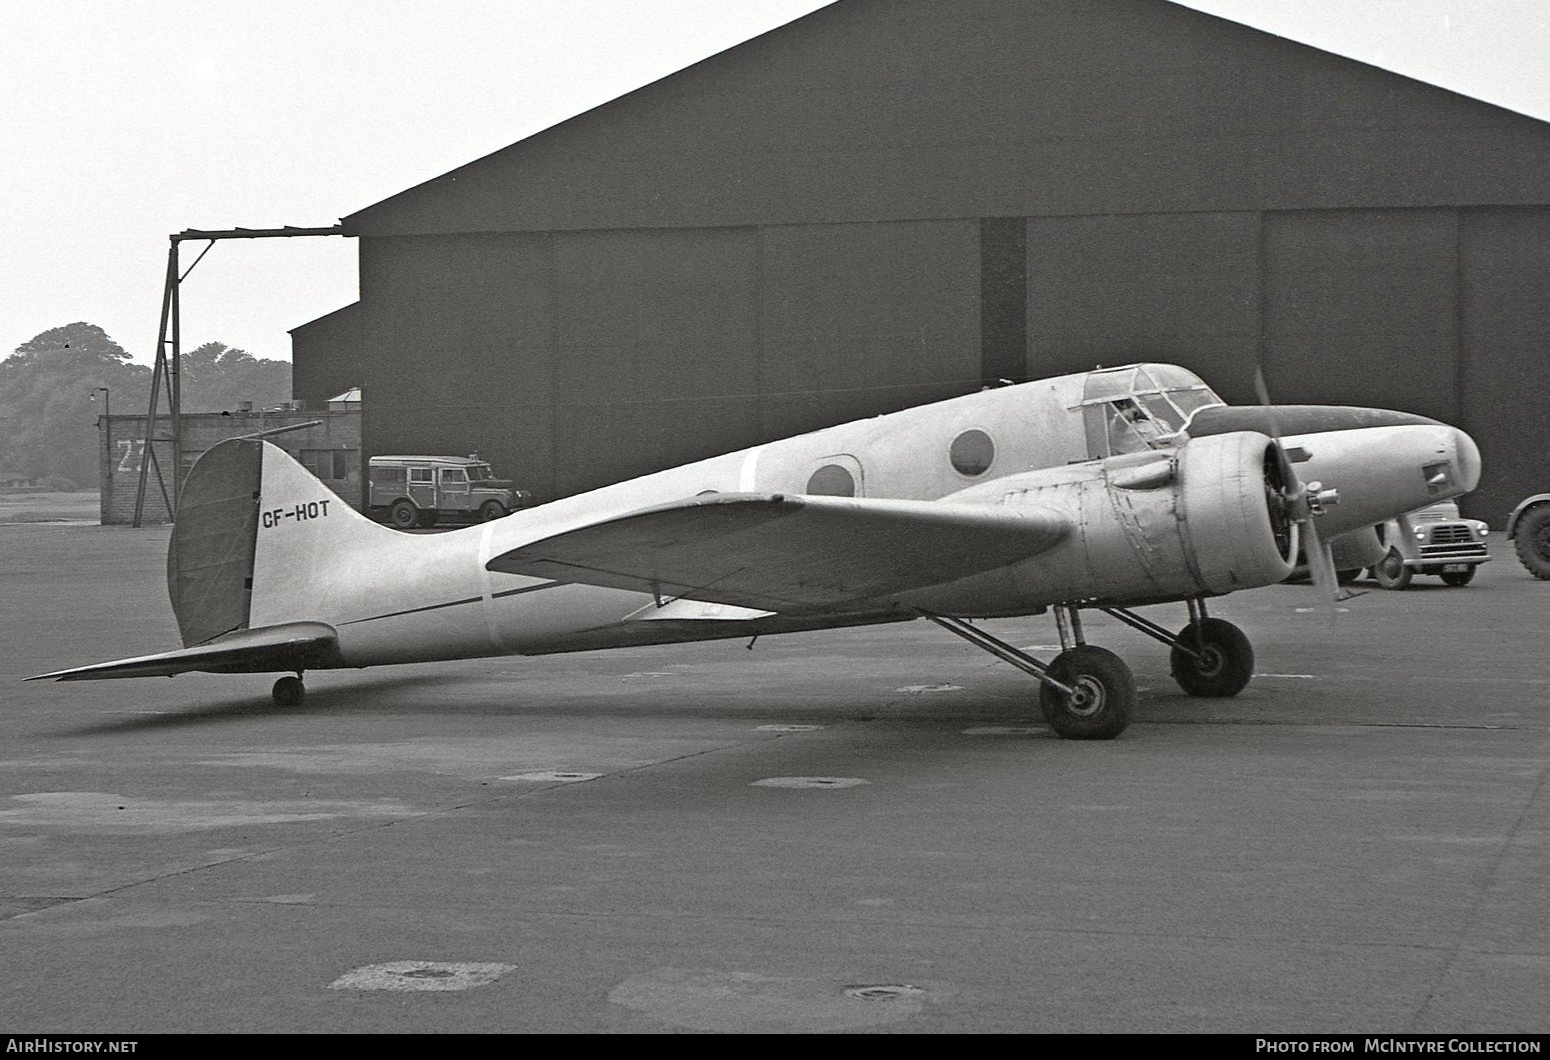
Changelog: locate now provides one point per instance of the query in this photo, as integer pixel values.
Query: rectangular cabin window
(393, 477)
(421, 475)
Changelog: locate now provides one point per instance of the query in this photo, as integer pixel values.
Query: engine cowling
(1166, 525)
(1233, 526)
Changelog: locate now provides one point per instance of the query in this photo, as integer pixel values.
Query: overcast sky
(122, 121)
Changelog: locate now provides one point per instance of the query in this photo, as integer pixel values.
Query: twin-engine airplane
(1110, 489)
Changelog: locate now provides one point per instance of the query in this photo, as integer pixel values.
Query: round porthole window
(972, 453)
(831, 480)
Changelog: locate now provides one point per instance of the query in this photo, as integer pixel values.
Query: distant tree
(215, 377)
(47, 405)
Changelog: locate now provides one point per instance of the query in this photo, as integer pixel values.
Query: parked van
(410, 491)
(1433, 540)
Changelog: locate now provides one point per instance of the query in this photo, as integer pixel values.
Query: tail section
(261, 553)
(257, 541)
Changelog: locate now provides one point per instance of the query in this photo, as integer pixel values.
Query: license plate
(1454, 568)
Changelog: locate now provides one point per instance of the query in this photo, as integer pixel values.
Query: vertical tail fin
(254, 539)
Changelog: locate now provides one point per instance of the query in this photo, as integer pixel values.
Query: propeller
(1303, 503)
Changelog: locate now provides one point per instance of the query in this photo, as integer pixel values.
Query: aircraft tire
(1105, 694)
(404, 515)
(1228, 664)
(1532, 541)
(289, 692)
(1391, 572)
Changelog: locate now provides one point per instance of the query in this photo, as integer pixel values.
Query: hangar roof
(870, 110)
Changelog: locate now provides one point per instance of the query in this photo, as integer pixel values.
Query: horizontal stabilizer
(268, 649)
(788, 553)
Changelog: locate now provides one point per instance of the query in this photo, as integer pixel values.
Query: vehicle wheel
(1533, 541)
(288, 692)
(428, 517)
(1391, 572)
(1459, 578)
(1105, 693)
(1226, 659)
(491, 510)
(404, 515)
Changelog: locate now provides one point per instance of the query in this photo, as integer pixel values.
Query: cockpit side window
(1131, 429)
(1139, 407)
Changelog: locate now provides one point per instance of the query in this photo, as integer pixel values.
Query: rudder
(210, 558)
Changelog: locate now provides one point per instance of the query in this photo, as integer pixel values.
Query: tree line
(52, 391)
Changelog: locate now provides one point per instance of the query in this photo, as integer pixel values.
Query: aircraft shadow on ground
(358, 698)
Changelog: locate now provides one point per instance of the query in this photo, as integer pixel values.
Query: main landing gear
(1088, 693)
(289, 691)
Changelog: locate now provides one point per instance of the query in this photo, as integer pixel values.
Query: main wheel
(1458, 578)
(491, 510)
(1533, 541)
(1391, 572)
(404, 515)
(1103, 692)
(288, 692)
(1225, 659)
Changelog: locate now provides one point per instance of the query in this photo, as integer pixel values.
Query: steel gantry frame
(165, 375)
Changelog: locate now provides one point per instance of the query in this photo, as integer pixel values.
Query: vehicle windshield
(480, 471)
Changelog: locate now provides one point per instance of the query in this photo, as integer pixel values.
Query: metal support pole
(175, 382)
(148, 455)
(169, 367)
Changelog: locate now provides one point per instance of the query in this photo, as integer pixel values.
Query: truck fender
(1524, 505)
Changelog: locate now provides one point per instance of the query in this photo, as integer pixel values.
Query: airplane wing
(783, 552)
(267, 649)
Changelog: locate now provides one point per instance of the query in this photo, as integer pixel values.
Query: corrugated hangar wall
(892, 201)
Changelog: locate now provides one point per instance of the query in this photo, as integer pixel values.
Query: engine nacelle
(1146, 527)
(1358, 549)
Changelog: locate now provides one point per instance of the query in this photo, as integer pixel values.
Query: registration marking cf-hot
(299, 512)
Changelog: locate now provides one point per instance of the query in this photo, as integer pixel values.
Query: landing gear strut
(1088, 693)
(1210, 657)
(289, 691)
(1085, 692)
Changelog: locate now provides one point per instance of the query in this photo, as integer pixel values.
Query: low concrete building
(331, 450)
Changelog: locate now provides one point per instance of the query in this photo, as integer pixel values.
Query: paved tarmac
(623, 841)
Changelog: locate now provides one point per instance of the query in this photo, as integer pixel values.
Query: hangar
(889, 202)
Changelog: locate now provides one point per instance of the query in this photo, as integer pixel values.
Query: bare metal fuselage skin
(1165, 524)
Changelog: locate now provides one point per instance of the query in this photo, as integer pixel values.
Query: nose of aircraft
(1382, 472)
(1466, 459)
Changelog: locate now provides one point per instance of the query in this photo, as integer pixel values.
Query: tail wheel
(404, 515)
(1391, 572)
(1102, 696)
(1458, 578)
(289, 692)
(1222, 663)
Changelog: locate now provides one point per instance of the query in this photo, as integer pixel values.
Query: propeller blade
(1303, 502)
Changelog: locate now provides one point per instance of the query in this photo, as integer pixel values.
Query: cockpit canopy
(1140, 407)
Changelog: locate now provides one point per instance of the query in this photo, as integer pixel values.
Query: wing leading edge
(268, 649)
(789, 553)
